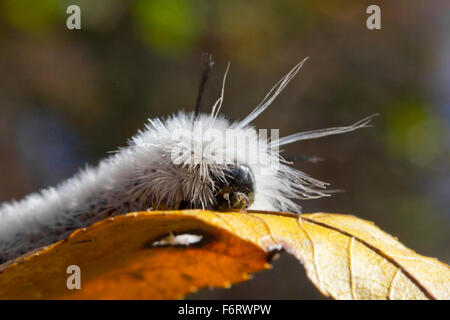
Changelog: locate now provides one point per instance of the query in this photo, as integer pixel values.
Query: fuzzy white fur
(161, 167)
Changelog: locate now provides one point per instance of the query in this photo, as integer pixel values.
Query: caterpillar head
(206, 161)
(200, 162)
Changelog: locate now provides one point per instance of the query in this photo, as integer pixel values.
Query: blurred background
(67, 97)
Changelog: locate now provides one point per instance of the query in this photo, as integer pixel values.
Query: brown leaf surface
(345, 257)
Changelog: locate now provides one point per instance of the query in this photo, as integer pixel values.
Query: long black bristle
(209, 64)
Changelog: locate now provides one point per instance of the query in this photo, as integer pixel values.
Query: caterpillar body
(162, 169)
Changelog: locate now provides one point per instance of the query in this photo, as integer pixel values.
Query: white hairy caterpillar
(163, 170)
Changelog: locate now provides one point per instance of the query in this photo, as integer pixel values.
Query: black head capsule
(237, 189)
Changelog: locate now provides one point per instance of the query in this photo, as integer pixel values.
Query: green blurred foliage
(413, 133)
(29, 15)
(169, 26)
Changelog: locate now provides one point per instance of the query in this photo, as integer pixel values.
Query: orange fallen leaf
(148, 255)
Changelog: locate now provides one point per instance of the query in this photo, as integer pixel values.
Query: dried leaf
(140, 256)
